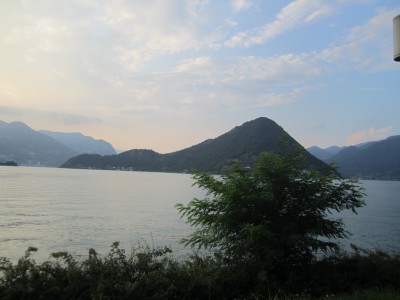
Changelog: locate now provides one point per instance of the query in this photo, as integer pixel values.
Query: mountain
(25, 146)
(80, 143)
(378, 160)
(343, 155)
(333, 149)
(330, 153)
(241, 144)
(370, 160)
(323, 154)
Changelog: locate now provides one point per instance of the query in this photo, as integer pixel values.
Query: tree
(277, 213)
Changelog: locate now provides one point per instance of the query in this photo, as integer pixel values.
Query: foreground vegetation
(271, 233)
(148, 273)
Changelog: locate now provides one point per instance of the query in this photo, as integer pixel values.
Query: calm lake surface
(74, 210)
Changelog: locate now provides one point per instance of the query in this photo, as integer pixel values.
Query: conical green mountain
(241, 144)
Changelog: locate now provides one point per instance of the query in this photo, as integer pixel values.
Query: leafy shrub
(275, 216)
(148, 273)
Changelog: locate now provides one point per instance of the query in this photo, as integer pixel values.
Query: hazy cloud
(274, 99)
(368, 46)
(72, 119)
(241, 4)
(98, 61)
(9, 92)
(371, 134)
(54, 116)
(287, 68)
(6, 111)
(102, 55)
(284, 69)
(200, 65)
(292, 15)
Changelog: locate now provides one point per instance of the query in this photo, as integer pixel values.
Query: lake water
(74, 210)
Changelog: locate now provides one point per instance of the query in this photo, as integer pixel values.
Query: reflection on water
(377, 225)
(74, 210)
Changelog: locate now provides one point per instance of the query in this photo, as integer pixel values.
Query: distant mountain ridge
(25, 146)
(241, 144)
(371, 160)
(80, 143)
(324, 154)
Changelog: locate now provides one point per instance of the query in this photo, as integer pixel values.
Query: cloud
(294, 14)
(126, 33)
(9, 92)
(368, 46)
(283, 69)
(71, 119)
(371, 134)
(241, 4)
(276, 99)
(198, 65)
(287, 68)
(6, 111)
(56, 117)
(112, 59)
(203, 85)
(145, 30)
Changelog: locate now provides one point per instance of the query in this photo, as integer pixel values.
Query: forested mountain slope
(241, 144)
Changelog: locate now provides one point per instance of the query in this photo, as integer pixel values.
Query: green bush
(144, 273)
(148, 273)
(274, 216)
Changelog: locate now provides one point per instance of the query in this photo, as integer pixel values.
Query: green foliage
(277, 214)
(115, 276)
(148, 273)
(350, 272)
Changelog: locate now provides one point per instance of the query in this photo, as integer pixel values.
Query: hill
(379, 160)
(371, 160)
(324, 154)
(25, 146)
(241, 144)
(80, 143)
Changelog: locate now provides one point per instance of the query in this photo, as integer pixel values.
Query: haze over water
(74, 210)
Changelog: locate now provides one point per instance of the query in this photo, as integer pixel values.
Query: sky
(169, 74)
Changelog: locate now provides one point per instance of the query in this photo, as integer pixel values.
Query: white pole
(396, 38)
